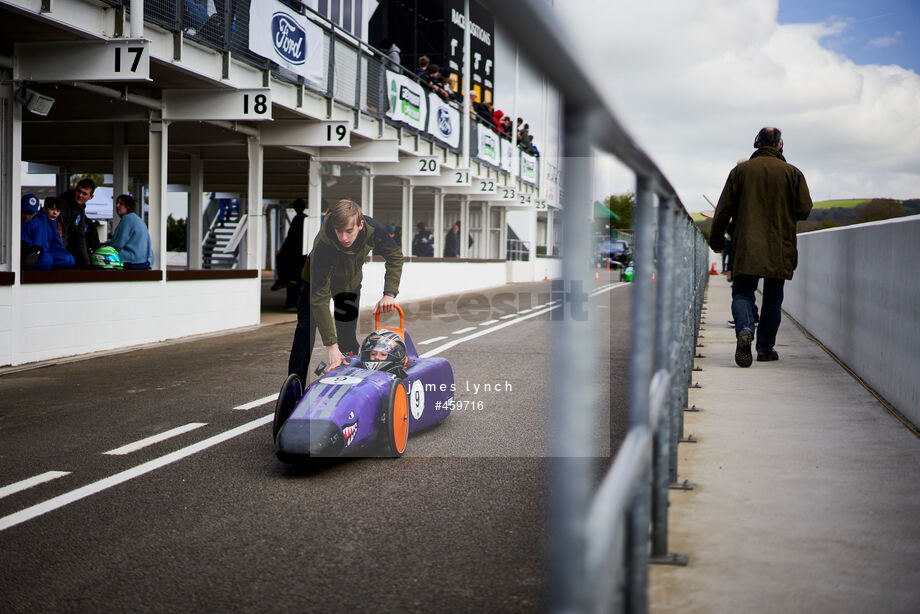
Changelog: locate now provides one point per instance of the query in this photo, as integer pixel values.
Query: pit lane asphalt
(456, 525)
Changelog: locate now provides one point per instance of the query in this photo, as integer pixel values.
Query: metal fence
(602, 537)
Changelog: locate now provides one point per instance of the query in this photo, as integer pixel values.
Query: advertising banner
(287, 38)
(443, 121)
(408, 103)
(488, 146)
(506, 155)
(528, 168)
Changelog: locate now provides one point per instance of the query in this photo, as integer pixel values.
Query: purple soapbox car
(354, 411)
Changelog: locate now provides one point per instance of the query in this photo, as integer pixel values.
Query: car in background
(615, 252)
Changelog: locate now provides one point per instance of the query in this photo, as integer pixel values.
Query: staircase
(216, 239)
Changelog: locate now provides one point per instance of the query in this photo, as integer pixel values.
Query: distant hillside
(834, 213)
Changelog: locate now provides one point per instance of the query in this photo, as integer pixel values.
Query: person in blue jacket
(41, 235)
(131, 238)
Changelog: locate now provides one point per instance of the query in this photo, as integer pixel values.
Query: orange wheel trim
(400, 419)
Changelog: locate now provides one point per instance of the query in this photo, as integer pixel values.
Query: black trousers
(345, 314)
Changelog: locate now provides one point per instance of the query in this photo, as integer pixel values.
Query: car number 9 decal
(340, 380)
(417, 399)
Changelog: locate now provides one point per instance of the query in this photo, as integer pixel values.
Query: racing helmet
(106, 257)
(386, 342)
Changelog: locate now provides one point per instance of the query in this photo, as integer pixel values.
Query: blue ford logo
(444, 123)
(289, 38)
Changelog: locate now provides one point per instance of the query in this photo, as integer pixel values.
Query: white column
(256, 217)
(406, 218)
(464, 227)
(503, 234)
(536, 273)
(367, 195)
(195, 211)
(314, 197)
(120, 179)
(11, 133)
(438, 223)
(486, 232)
(156, 173)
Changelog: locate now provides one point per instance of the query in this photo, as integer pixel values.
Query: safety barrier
(602, 539)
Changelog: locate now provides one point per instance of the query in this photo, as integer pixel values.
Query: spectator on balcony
(131, 238)
(432, 80)
(497, 116)
(505, 126)
(391, 55)
(423, 241)
(422, 65)
(79, 231)
(453, 87)
(43, 249)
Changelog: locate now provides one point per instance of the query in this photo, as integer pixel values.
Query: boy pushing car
(333, 271)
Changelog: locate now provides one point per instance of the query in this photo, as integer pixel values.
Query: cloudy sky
(694, 82)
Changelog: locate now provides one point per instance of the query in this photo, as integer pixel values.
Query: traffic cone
(712, 269)
(597, 275)
(545, 275)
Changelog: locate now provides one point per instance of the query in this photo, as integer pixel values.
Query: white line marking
(143, 443)
(510, 315)
(90, 489)
(463, 330)
(30, 482)
(258, 402)
(450, 344)
(432, 340)
(487, 322)
(526, 310)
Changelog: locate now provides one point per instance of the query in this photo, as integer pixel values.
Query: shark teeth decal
(348, 431)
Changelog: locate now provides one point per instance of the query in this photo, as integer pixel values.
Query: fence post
(666, 318)
(571, 466)
(642, 357)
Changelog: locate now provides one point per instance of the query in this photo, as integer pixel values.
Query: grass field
(828, 204)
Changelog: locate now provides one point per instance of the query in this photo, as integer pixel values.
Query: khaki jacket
(332, 269)
(763, 198)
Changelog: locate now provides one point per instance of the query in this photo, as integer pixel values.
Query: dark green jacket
(763, 198)
(332, 269)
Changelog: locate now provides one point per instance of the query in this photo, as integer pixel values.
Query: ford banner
(287, 38)
(443, 121)
(407, 101)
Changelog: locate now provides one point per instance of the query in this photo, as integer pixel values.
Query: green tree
(622, 205)
(176, 233)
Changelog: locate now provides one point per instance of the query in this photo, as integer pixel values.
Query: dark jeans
(137, 266)
(743, 308)
(345, 307)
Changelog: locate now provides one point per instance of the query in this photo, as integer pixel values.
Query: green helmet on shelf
(106, 257)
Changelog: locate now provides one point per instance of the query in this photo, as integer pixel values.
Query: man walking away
(763, 197)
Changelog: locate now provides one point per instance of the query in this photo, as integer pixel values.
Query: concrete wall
(59, 320)
(857, 290)
(431, 279)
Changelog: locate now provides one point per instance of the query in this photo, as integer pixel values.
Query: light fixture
(35, 102)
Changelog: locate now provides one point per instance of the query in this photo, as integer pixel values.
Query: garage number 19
(336, 133)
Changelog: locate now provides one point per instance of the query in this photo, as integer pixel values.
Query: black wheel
(291, 391)
(396, 421)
